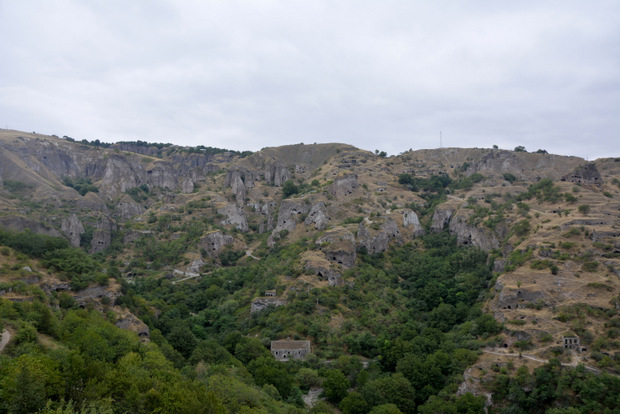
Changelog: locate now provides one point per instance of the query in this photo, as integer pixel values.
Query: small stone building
(571, 342)
(286, 349)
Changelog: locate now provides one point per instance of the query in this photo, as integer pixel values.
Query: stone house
(571, 342)
(286, 349)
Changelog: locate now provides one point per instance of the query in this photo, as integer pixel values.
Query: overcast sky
(387, 75)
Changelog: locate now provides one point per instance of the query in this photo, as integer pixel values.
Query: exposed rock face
(132, 236)
(441, 218)
(471, 235)
(518, 298)
(73, 229)
(266, 210)
(240, 180)
(195, 266)
(128, 208)
(338, 245)
(585, 174)
(140, 149)
(187, 186)
(101, 240)
(235, 216)
(289, 211)
(130, 323)
(344, 186)
(95, 293)
(260, 304)
(379, 243)
(410, 218)
(319, 216)
(120, 175)
(333, 278)
(91, 201)
(214, 242)
(162, 175)
(276, 174)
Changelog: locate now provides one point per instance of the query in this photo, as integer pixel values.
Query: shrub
(584, 209)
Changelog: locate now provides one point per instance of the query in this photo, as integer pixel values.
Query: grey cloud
(246, 75)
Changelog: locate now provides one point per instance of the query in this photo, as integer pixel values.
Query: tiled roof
(290, 344)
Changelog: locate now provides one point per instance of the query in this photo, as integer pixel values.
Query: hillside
(473, 262)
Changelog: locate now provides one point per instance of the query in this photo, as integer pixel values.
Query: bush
(510, 178)
(584, 209)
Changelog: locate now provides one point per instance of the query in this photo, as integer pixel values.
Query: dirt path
(193, 276)
(4, 339)
(249, 253)
(572, 364)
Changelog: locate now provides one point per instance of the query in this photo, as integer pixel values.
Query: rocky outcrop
(388, 232)
(338, 245)
(441, 218)
(585, 174)
(130, 323)
(318, 216)
(120, 175)
(91, 201)
(94, 294)
(472, 235)
(289, 212)
(276, 174)
(149, 150)
(134, 235)
(214, 242)
(101, 240)
(128, 208)
(72, 227)
(260, 304)
(162, 175)
(234, 216)
(187, 185)
(410, 219)
(518, 298)
(265, 209)
(344, 186)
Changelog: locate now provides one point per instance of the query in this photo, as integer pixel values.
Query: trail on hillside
(572, 364)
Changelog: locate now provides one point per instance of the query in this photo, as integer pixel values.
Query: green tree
(386, 409)
(354, 403)
(584, 209)
(335, 385)
(289, 188)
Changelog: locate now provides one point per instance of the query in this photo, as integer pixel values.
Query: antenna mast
(440, 140)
